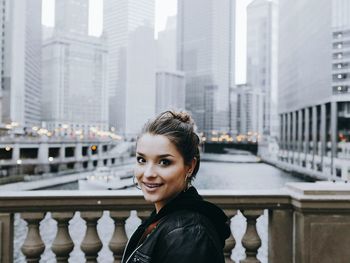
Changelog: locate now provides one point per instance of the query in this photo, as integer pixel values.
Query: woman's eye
(164, 162)
(140, 159)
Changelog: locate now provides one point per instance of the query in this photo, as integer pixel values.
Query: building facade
(206, 53)
(75, 91)
(21, 63)
(170, 91)
(247, 110)
(313, 80)
(166, 46)
(262, 58)
(129, 29)
(2, 53)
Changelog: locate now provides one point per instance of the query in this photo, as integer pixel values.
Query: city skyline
(163, 10)
(68, 99)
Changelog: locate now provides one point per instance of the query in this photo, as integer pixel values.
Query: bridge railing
(296, 219)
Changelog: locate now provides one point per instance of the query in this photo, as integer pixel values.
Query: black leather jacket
(189, 230)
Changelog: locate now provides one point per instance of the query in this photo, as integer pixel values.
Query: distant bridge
(40, 155)
(224, 147)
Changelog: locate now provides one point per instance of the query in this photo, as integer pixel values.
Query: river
(212, 175)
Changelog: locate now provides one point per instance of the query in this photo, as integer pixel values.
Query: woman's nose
(149, 170)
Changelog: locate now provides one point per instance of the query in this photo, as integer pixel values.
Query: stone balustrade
(307, 222)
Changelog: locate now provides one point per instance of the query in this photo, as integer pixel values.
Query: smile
(152, 185)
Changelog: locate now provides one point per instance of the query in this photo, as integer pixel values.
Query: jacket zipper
(162, 219)
(130, 254)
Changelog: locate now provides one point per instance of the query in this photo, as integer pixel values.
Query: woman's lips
(152, 185)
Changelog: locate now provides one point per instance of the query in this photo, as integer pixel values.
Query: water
(212, 175)
(238, 176)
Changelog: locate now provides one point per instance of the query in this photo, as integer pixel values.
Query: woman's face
(160, 169)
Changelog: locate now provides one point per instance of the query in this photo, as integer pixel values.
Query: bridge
(224, 147)
(39, 155)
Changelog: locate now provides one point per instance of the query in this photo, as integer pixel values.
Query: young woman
(183, 227)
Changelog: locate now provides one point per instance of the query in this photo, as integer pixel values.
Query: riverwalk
(51, 180)
(44, 183)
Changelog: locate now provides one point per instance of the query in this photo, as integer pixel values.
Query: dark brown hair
(179, 128)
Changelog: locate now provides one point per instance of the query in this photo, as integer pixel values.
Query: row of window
(340, 89)
(340, 76)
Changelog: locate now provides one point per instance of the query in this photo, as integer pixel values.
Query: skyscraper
(166, 46)
(262, 56)
(72, 16)
(170, 83)
(75, 91)
(129, 28)
(313, 80)
(248, 109)
(206, 53)
(2, 52)
(21, 76)
(170, 91)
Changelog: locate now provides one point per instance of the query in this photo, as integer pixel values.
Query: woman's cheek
(137, 172)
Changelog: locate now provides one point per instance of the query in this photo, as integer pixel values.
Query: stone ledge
(320, 188)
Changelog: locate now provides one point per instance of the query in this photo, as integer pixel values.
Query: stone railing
(307, 222)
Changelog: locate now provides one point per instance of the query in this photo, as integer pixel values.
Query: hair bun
(183, 116)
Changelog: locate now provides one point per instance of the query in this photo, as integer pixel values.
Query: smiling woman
(183, 227)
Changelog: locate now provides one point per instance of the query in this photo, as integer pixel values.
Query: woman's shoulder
(183, 234)
(189, 235)
(188, 221)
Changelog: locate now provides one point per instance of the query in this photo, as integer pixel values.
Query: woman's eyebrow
(158, 156)
(165, 155)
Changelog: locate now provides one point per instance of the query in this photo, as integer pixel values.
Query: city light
(94, 147)
(50, 159)
(19, 161)
(8, 148)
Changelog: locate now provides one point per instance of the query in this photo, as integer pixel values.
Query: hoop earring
(136, 183)
(187, 181)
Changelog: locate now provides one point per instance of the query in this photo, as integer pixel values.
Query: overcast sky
(165, 8)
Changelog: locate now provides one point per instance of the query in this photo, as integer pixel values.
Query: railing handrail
(73, 200)
(70, 200)
(56, 200)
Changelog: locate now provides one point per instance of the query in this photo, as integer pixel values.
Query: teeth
(152, 185)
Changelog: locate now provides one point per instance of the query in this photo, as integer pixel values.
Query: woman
(183, 227)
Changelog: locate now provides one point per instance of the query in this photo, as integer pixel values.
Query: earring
(187, 181)
(136, 183)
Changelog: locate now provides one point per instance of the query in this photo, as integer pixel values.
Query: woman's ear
(192, 165)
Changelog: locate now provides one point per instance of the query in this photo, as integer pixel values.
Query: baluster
(63, 244)
(230, 242)
(6, 237)
(144, 214)
(251, 240)
(33, 245)
(119, 238)
(91, 244)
